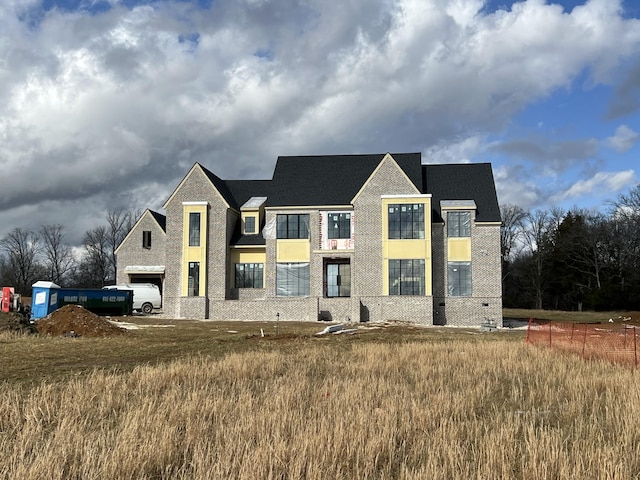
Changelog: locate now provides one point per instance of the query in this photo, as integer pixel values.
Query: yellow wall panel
(459, 249)
(406, 249)
(248, 255)
(197, 253)
(297, 250)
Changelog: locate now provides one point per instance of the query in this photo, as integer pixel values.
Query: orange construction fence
(614, 342)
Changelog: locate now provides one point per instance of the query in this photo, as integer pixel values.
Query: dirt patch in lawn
(76, 321)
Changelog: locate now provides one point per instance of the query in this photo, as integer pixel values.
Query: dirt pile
(76, 321)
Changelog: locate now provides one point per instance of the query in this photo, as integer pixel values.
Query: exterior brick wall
(196, 187)
(367, 301)
(367, 269)
(290, 309)
(131, 252)
(485, 303)
(397, 308)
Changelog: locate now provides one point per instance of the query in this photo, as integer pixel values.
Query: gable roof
(463, 181)
(315, 180)
(160, 219)
(331, 179)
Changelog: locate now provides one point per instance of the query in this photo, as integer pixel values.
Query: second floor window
(250, 225)
(293, 226)
(194, 229)
(339, 225)
(146, 239)
(459, 224)
(406, 221)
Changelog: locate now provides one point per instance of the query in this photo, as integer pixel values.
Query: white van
(146, 296)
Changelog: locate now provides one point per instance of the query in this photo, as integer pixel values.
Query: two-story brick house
(341, 237)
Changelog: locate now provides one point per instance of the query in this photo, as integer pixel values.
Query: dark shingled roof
(463, 181)
(331, 179)
(336, 179)
(243, 190)
(161, 219)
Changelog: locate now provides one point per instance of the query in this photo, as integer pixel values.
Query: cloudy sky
(107, 103)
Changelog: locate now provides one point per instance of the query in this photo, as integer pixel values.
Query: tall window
(194, 229)
(459, 224)
(337, 278)
(406, 221)
(339, 225)
(194, 279)
(250, 225)
(249, 275)
(293, 226)
(459, 279)
(406, 277)
(146, 239)
(292, 279)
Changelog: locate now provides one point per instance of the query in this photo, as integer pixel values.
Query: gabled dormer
(252, 212)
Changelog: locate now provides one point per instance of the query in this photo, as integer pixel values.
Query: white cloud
(602, 184)
(97, 107)
(515, 186)
(623, 140)
(462, 151)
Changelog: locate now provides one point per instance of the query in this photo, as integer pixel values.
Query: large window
(194, 229)
(339, 225)
(406, 277)
(292, 279)
(406, 221)
(194, 279)
(293, 226)
(459, 224)
(249, 275)
(146, 239)
(337, 278)
(459, 279)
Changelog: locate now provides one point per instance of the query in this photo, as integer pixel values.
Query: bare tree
(539, 226)
(119, 223)
(512, 228)
(21, 250)
(95, 269)
(58, 256)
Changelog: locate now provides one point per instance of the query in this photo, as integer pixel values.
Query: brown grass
(394, 403)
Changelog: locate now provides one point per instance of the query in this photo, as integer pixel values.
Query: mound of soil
(76, 321)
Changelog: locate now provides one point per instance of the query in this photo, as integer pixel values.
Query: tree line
(572, 260)
(27, 256)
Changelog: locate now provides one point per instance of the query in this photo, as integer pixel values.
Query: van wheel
(147, 308)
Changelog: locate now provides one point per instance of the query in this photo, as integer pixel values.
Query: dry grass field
(205, 400)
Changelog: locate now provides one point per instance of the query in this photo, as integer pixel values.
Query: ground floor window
(459, 279)
(194, 279)
(337, 278)
(406, 277)
(292, 279)
(249, 275)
